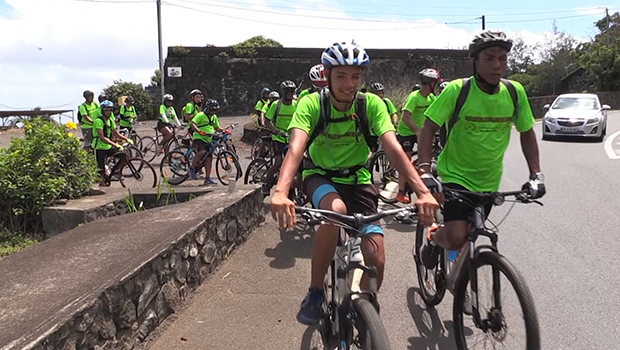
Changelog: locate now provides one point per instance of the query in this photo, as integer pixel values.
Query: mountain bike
(478, 270)
(261, 148)
(132, 134)
(134, 173)
(151, 147)
(350, 314)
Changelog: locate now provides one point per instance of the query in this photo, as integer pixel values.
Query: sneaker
(403, 198)
(430, 250)
(467, 308)
(192, 174)
(311, 307)
(209, 181)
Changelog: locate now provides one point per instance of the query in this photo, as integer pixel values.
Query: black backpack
(80, 116)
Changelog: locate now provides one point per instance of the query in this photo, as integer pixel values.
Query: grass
(14, 242)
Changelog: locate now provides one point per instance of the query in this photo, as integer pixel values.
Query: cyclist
(413, 118)
(127, 114)
(379, 90)
(203, 125)
(104, 130)
(273, 97)
(87, 111)
(102, 97)
(473, 154)
(318, 79)
(278, 118)
(442, 86)
(258, 107)
(193, 107)
(336, 179)
(167, 114)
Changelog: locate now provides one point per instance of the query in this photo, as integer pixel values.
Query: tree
(248, 48)
(144, 102)
(156, 78)
(521, 57)
(601, 58)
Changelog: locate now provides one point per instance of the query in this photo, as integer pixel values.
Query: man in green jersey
(278, 118)
(477, 139)
(318, 78)
(413, 117)
(87, 111)
(127, 114)
(336, 178)
(193, 107)
(258, 107)
(203, 125)
(274, 96)
(167, 114)
(379, 90)
(104, 130)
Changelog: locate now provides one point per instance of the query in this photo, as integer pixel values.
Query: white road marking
(609, 146)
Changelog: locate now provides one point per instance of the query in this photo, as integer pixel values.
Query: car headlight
(593, 120)
(549, 119)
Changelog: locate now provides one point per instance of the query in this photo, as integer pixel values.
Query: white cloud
(87, 45)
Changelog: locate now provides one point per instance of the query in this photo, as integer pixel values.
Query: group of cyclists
(326, 132)
(100, 134)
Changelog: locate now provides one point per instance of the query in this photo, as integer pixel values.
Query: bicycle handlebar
(497, 198)
(355, 220)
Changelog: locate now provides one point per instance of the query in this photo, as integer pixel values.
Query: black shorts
(407, 142)
(200, 145)
(278, 147)
(161, 125)
(102, 155)
(455, 210)
(362, 199)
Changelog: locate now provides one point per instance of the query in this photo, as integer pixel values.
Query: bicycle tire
(132, 152)
(227, 161)
(499, 262)
(256, 149)
(149, 148)
(377, 164)
(144, 178)
(256, 171)
(174, 167)
(431, 298)
(372, 325)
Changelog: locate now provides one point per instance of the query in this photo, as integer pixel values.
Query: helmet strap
(333, 94)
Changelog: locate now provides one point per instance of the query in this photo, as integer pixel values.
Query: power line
(115, 2)
(541, 19)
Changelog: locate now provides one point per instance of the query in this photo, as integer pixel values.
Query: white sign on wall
(175, 72)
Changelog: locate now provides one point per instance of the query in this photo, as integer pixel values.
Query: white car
(575, 115)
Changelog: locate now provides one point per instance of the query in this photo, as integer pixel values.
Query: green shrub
(12, 243)
(47, 164)
(223, 54)
(144, 102)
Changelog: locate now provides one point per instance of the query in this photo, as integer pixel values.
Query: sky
(52, 50)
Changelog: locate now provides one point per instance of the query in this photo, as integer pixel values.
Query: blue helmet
(265, 90)
(107, 105)
(345, 54)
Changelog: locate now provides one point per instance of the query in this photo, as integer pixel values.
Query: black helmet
(102, 97)
(88, 93)
(376, 87)
(489, 38)
(287, 84)
(130, 99)
(211, 104)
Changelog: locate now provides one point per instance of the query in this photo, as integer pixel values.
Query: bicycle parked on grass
(350, 315)
(175, 165)
(481, 268)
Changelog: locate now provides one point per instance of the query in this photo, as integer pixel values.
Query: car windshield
(582, 103)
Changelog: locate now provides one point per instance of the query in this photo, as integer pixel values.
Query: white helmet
(274, 94)
(345, 54)
(317, 75)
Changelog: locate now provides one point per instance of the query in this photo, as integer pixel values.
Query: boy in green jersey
(477, 139)
(127, 114)
(336, 179)
(193, 107)
(258, 107)
(379, 90)
(87, 111)
(203, 125)
(104, 130)
(318, 78)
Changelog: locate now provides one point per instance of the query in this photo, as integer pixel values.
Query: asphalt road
(567, 252)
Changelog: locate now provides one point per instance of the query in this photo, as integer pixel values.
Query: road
(567, 251)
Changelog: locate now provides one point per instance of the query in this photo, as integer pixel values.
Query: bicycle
(175, 165)
(350, 315)
(135, 173)
(151, 146)
(262, 147)
(455, 277)
(132, 134)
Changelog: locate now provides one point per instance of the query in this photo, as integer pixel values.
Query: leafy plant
(156, 78)
(131, 204)
(223, 54)
(144, 102)
(248, 47)
(179, 50)
(12, 242)
(171, 194)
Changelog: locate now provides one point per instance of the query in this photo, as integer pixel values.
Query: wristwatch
(537, 176)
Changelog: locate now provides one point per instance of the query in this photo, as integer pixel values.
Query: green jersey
(205, 123)
(128, 114)
(341, 145)
(285, 114)
(259, 105)
(390, 106)
(416, 104)
(167, 114)
(92, 110)
(474, 151)
(107, 126)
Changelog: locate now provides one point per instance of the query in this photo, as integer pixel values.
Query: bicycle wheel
(174, 167)
(371, 334)
(432, 282)
(132, 152)
(256, 171)
(227, 167)
(384, 177)
(150, 148)
(144, 178)
(505, 305)
(257, 149)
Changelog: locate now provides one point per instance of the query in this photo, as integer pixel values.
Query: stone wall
(128, 311)
(236, 82)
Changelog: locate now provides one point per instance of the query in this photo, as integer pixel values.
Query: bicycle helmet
(489, 38)
(265, 90)
(376, 87)
(442, 86)
(168, 97)
(288, 85)
(130, 99)
(195, 92)
(416, 87)
(107, 105)
(88, 93)
(429, 75)
(102, 97)
(345, 54)
(274, 95)
(211, 104)
(317, 75)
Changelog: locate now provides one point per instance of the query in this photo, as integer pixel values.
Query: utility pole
(161, 49)
(483, 25)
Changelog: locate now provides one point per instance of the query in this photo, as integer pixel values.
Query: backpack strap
(513, 94)
(276, 112)
(460, 101)
(362, 121)
(80, 116)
